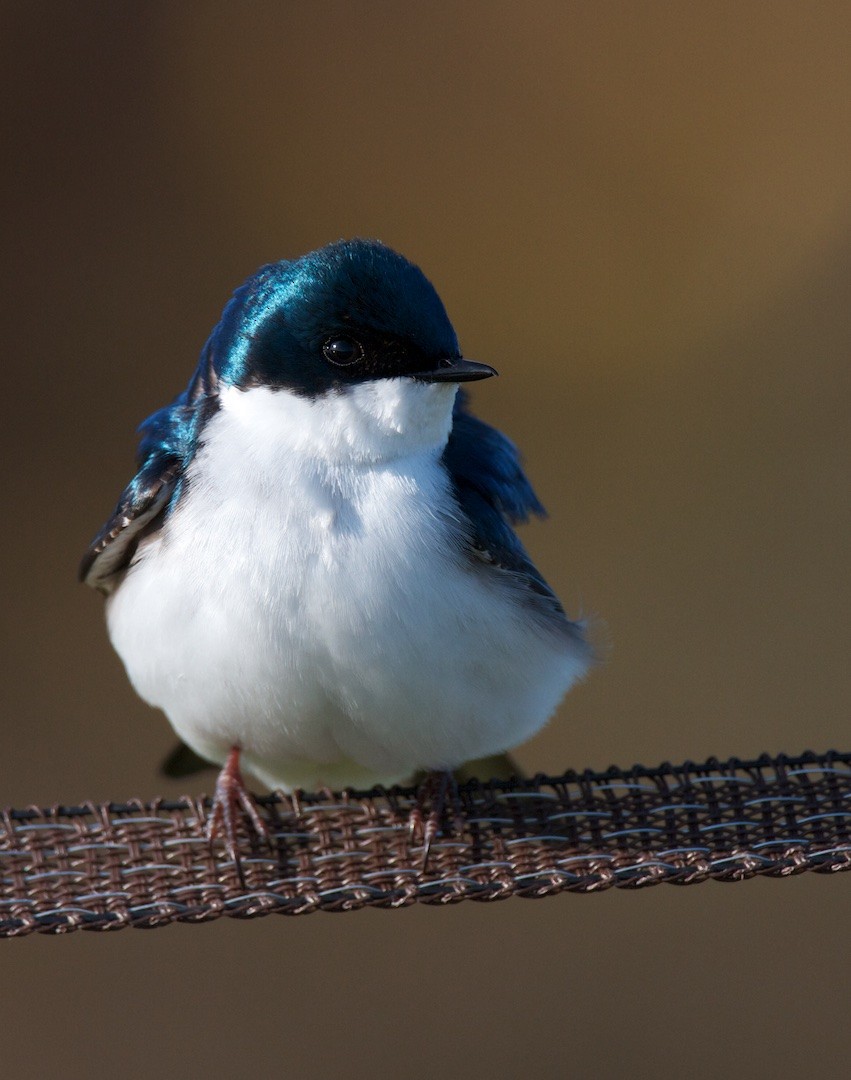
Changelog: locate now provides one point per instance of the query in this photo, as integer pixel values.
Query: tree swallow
(314, 569)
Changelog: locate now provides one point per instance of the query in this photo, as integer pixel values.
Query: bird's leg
(232, 795)
(427, 815)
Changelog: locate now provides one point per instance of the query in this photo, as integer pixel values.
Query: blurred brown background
(639, 213)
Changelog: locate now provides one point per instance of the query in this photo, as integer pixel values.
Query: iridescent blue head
(348, 313)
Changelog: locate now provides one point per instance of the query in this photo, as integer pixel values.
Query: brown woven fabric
(102, 867)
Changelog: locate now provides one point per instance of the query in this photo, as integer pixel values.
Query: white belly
(318, 619)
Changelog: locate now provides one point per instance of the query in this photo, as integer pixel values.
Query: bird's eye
(342, 351)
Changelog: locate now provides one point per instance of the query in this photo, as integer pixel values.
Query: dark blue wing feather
(481, 459)
(169, 439)
(493, 493)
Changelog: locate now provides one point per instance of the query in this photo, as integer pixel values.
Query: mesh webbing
(106, 866)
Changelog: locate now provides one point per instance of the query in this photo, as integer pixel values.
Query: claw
(432, 793)
(230, 796)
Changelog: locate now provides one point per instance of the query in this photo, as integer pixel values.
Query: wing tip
(86, 564)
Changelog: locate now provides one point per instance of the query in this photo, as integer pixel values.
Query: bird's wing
(142, 502)
(168, 443)
(493, 493)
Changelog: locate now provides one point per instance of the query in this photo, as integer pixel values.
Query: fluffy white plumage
(308, 599)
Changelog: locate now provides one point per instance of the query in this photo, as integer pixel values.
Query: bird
(314, 572)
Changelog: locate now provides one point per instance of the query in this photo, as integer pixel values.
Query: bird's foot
(231, 797)
(427, 816)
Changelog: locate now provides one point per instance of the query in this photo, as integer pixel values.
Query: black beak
(457, 370)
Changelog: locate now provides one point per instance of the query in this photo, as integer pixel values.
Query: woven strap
(102, 867)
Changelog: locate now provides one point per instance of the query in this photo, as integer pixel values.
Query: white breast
(307, 600)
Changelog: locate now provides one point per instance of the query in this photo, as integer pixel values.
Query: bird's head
(350, 313)
(346, 353)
